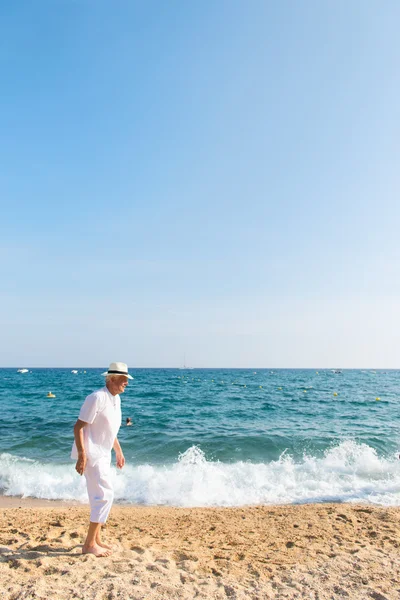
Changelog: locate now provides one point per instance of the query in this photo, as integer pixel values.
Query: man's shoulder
(96, 395)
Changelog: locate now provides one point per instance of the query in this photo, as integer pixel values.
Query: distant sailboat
(185, 367)
(23, 371)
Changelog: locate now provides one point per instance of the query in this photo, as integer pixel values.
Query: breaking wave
(348, 472)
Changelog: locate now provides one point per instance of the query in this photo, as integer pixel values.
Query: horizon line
(226, 368)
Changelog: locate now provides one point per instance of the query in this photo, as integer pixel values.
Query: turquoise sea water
(212, 437)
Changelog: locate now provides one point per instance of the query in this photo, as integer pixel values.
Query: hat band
(118, 372)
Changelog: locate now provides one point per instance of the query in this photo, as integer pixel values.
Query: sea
(212, 437)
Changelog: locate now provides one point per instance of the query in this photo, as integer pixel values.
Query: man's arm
(78, 434)
(119, 454)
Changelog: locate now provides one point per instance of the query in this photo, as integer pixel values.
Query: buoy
(304, 391)
(279, 388)
(50, 395)
(260, 386)
(335, 393)
(377, 398)
(244, 386)
(316, 372)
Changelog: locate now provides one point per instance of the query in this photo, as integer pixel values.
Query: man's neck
(112, 391)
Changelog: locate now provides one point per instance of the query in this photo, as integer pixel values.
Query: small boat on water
(185, 367)
(23, 371)
(74, 371)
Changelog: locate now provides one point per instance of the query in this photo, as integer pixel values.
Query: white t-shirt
(102, 411)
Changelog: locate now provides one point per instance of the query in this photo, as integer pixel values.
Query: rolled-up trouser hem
(100, 491)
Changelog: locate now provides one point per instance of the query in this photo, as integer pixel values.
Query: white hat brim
(124, 374)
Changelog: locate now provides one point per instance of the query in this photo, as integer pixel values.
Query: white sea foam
(349, 472)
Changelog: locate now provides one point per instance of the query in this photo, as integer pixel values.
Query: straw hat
(118, 368)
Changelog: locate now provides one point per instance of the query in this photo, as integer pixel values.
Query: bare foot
(96, 550)
(103, 545)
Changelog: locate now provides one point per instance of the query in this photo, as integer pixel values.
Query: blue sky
(215, 179)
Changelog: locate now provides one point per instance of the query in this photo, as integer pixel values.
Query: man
(95, 435)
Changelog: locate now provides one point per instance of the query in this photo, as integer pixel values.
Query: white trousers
(100, 490)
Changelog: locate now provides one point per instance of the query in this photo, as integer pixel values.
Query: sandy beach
(324, 552)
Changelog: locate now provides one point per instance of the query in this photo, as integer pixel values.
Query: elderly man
(95, 435)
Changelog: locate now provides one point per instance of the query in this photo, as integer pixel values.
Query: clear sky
(216, 179)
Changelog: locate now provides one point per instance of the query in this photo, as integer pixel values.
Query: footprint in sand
(138, 549)
(182, 556)
(229, 591)
(153, 567)
(378, 596)
(57, 524)
(343, 518)
(164, 562)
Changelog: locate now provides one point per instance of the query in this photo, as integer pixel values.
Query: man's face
(120, 383)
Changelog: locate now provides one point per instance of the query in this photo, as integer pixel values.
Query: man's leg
(101, 496)
(90, 546)
(99, 542)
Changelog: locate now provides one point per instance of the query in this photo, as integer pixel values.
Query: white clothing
(102, 411)
(100, 491)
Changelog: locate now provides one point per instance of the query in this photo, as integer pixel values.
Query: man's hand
(120, 460)
(81, 464)
(78, 435)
